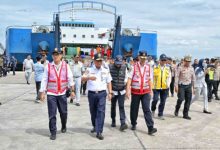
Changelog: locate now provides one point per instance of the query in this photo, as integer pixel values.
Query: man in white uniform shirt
(98, 81)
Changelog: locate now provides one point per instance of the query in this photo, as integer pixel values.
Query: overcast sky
(183, 26)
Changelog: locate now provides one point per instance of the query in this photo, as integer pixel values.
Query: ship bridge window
(74, 35)
(83, 36)
(92, 36)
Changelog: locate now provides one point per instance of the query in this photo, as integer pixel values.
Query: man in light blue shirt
(38, 74)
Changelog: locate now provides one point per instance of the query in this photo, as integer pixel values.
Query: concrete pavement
(24, 124)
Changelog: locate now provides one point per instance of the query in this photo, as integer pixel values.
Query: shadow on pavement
(42, 132)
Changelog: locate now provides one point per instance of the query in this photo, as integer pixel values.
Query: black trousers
(218, 84)
(83, 87)
(121, 99)
(172, 85)
(184, 93)
(13, 69)
(209, 88)
(215, 88)
(163, 96)
(38, 83)
(145, 101)
(54, 102)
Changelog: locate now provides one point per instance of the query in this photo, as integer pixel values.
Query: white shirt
(77, 69)
(57, 69)
(28, 64)
(131, 73)
(102, 75)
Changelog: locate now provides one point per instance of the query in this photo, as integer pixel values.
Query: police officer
(119, 79)
(161, 82)
(98, 81)
(56, 78)
(184, 81)
(139, 81)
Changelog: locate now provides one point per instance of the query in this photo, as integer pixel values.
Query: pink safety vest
(57, 83)
(140, 83)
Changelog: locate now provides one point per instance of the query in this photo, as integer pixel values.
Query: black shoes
(53, 136)
(206, 112)
(176, 113)
(209, 100)
(99, 136)
(71, 100)
(77, 104)
(133, 128)
(187, 117)
(152, 131)
(93, 130)
(123, 127)
(217, 98)
(113, 124)
(63, 130)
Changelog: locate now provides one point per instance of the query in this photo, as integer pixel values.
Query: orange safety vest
(57, 84)
(140, 83)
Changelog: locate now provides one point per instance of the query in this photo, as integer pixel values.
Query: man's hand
(109, 96)
(127, 95)
(193, 91)
(72, 95)
(42, 96)
(92, 78)
(176, 89)
(151, 93)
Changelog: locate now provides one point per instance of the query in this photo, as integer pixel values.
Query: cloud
(183, 26)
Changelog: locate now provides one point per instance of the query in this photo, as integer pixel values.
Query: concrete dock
(24, 124)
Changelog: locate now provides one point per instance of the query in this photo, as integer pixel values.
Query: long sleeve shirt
(45, 79)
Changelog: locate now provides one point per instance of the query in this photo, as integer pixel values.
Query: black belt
(96, 92)
(77, 77)
(185, 85)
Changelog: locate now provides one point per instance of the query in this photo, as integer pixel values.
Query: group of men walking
(141, 82)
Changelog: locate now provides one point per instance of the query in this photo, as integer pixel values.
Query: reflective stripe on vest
(140, 83)
(57, 83)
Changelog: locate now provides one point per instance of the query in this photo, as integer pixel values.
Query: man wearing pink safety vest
(56, 79)
(139, 83)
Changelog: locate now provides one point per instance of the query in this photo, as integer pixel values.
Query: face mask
(204, 64)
